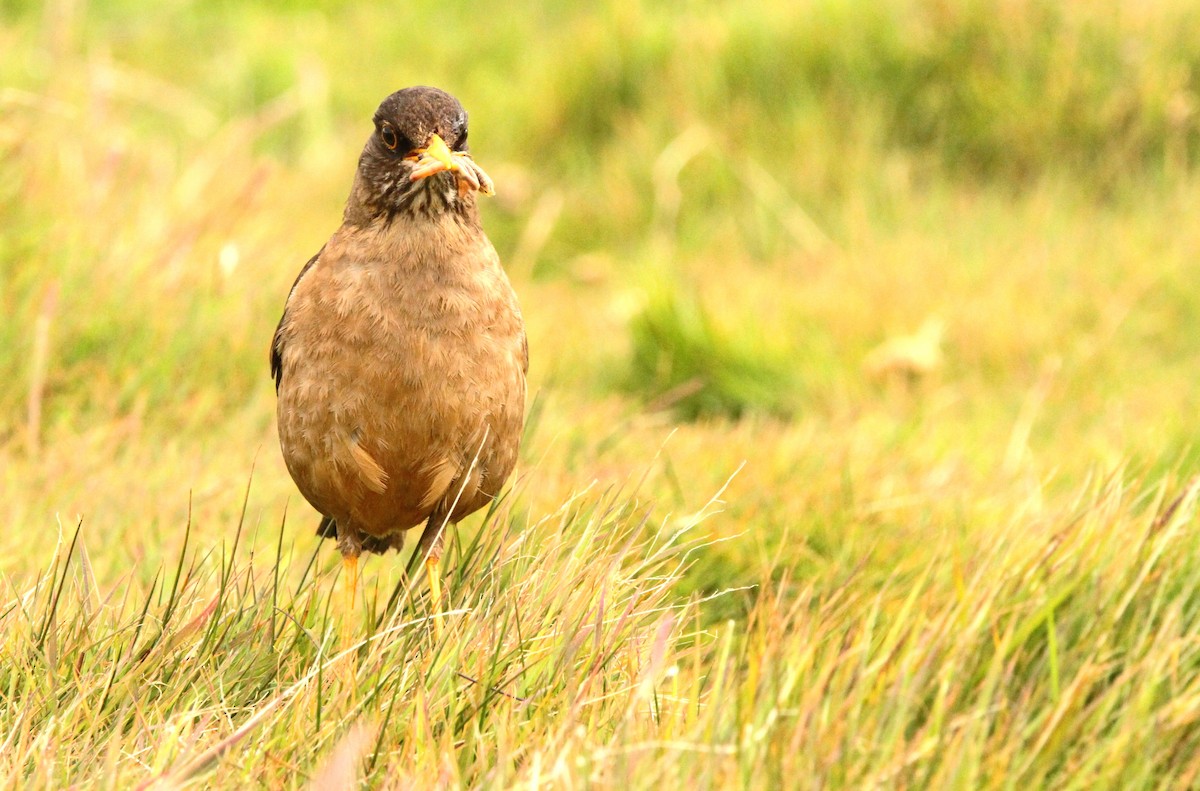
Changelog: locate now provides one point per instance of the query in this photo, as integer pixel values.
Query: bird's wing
(277, 340)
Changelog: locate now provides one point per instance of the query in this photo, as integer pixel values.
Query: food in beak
(437, 157)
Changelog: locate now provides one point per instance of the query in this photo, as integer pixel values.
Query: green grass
(739, 551)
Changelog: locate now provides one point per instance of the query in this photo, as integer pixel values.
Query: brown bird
(400, 359)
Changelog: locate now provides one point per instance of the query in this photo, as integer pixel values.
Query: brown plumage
(400, 358)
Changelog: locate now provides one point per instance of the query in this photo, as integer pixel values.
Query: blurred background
(913, 267)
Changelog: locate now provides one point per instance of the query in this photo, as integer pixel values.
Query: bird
(400, 359)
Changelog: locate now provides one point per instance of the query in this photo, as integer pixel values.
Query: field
(865, 390)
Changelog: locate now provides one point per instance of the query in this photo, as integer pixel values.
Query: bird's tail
(327, 528)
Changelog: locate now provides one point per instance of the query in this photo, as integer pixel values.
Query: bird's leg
(349, 581)
(350, 547)
(347, 670)
(349, 591)
(433, 569)
(429, 549)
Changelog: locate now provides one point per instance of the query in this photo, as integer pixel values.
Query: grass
(738, 551)
(135, 682)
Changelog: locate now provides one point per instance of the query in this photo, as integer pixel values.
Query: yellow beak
(437, 157)
(438, 149)
(433, 158)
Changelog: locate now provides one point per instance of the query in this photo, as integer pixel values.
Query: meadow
(862, 429)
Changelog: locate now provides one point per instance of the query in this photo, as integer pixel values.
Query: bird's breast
(402, 377)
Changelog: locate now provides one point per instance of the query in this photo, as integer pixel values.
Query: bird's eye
(462, 140)
(388, 136)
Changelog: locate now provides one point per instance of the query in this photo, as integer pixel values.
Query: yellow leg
(429, 547)
(349, 594)
(350, 583)
(435, 592)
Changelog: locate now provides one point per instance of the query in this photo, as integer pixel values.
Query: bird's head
(416, 160)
